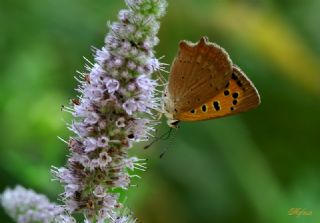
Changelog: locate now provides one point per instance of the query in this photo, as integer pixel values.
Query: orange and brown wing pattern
(199, 71)
(239, 95)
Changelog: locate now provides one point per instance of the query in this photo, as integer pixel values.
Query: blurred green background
(250, 168)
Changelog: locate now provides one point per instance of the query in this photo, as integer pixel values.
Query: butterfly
(204, 84)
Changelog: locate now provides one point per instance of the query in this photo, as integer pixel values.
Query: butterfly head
(173, 123)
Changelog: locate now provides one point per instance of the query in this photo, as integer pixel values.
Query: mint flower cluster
(114, 110)
(117, 94)
(27, 206)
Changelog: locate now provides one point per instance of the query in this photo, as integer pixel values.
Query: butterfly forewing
(198, 73)
(238, 95)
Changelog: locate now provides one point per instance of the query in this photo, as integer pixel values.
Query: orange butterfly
(204, 84)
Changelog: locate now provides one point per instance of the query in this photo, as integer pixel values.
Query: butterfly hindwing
(237, 96)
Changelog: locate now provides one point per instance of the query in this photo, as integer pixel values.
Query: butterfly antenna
(164, 136)
(171, 139)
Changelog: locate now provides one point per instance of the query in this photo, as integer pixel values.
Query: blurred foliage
(250, 168)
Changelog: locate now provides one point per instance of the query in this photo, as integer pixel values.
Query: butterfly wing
(199, 72)
(239, 95)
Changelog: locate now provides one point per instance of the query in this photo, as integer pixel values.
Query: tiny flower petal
(130, 106)
(112, 86)
(120, 123)
(100, 191)
(90, 144)
(103, 141)
(102, 55)
(104, 159)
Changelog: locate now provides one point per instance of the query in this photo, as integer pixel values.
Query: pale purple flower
(122, 219)
(94, 164)
(131, 87)
(126, 46)
(103, 214)
(146, 45)
(124, 15)
(112, 85)
(92, 118)
(94, 93)
(154, 64)
(122, 181)
(141, 129)
(104, 159)
(118, 62)
(131, 65)
(140, 69)
(65, 174)
(111, 41)
(142, 106)
(110, 200)
(84, 160)
(130, 106)
(100, 191)
(102, 141)
(102, 124)
(144, 82)
(79, 128)
(26, 206)
(90, 144)
(121, 122)
(96, 72)
(81, 110)
(70, 189)
(102, 56)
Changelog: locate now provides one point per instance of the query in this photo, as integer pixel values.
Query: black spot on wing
(234, 76)
(235, 95)
(204, 108)
(239, 83)
(216, 105)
